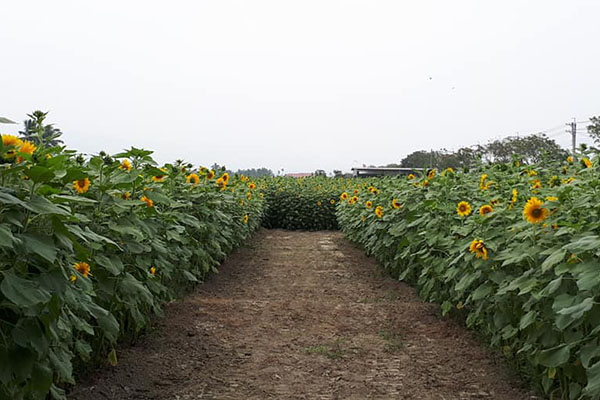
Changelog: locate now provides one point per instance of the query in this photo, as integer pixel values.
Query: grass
(332, 351)
(393, 340)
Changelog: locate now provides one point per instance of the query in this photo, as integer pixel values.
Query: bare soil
(303, 315)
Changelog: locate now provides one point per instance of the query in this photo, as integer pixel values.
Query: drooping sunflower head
(396, 204)
(344, 196)
(554, 181)
(203, 170)
(379, 211)
(249, 195)
(586, 162)
(536, 184)
(448, 171)
(426, 183)
(463, 209)
(149, 202)
(478, 247)
(431, 174)
(533, 211)
(193, 179)
(411, 177)
(161, 177)
(485, 209)
(83, 268)
(369, 204)
(81, 185)
(125, 165)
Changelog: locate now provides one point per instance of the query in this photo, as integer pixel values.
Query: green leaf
(114, 265)
(553, 259)
(593, 377)
(588, 353)
(40, 174)
(576, 311)
(40, 245)
(112, 358)
(22, 292)
(554, 357)
(4, 120)
(585, 243)
(6, 237)
(527, 319)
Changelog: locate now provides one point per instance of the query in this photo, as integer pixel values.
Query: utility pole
(573, 133)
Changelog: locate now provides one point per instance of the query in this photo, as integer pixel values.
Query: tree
(320, 172)
(594, 129)
(255, 172)
(38, 133)
(530, 149)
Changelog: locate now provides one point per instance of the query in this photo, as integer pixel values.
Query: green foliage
(594, 129)
(39, 133)
(54, 316)
(535, 292)
(305, 203)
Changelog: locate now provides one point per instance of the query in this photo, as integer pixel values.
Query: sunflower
(396, 204)
(463, 209)
(355, 191)
(203, 170)
(27, 148)
(379, 211)
(153, 271)
(431, 174)
(344, 196)
(149, 202)
(246, 218)
(369, 204)
(375, 191)
(514, 199)
(534, 212)
(11, 140)
(485, 209)
(81, 185)
(160, 178)
(426, 183)
(252, 185)
(332, 201)
(319, 204)
(83, 268)
(221, 183)
(242, 202)
(586, 162)
(354, 199)
(411, 177)
(126, 165)
(552, 198)
(193, 179)
(261, 195)
(554, 181)
(210, 174)
(536, 184)
(478, 247)
(225, 177)
(570, 160)
(126, 196)
(249, 195)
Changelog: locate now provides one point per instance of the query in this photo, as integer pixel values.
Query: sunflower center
(536, 212)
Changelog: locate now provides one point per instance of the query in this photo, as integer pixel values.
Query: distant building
(383, 171)
(299, 175)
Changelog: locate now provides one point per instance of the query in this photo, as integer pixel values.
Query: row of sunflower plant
(304, 203)
(91, 247)
(513, 248)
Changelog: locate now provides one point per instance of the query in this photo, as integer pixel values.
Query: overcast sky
(298, 85)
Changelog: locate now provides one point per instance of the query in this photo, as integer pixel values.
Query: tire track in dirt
(303, 315)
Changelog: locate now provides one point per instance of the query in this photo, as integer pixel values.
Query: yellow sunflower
(249, 195)
(11, 140)
(396, 204)
(225, 177)
(570, 160)
(369, 204)
(27, 148)
(552, 198)
(210, 174)
(319, 203)
(126, 196)
(221, 183)
(533, 211)
(411, 177)
(554, 181)
(463, 209)
(153, 271)
(81, 185)
(344, 196)
(261, 195)
(149, 202)
(332, 201)
(126, 165)
(514, 199)
(83, 268)
(252, 186)
(586, 162)
(354, 199)
(478, 247)
(246, 218)
(379, 211)
(193, 179)
(485, 209)
(160, 178)
(431, 174)
(536, 184)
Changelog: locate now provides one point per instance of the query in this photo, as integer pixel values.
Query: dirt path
(303, 315)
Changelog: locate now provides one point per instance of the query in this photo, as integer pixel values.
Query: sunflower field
(514, 249)
(90, 248)
(305, 203)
